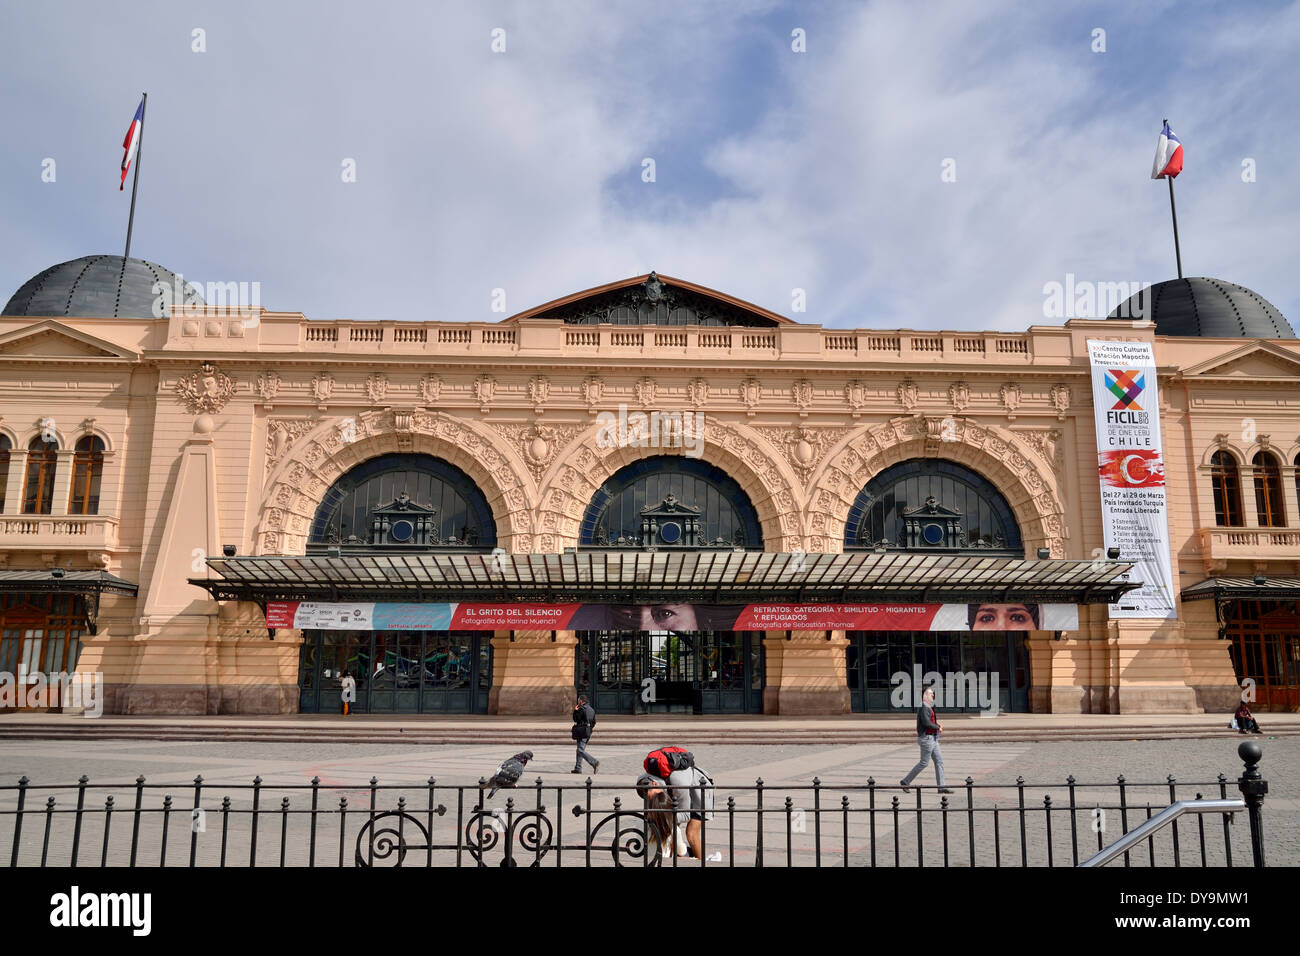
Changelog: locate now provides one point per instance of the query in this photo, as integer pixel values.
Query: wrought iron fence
(277, 824)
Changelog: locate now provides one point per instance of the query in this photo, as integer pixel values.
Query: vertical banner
(1131, 466)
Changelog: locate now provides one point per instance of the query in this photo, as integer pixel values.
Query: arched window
(404, 501)
(1268, 491)
(669, 501)
(929, 504)
(42, 462)
(1226, 481)
(5, 447)
(87, 469)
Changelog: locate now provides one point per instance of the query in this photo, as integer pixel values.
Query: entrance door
(39, 634)
(397, 672)
(1265, 647)
(983, 665)
(660, 672)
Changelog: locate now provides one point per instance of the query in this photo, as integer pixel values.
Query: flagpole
(1173, 211)
(135, 183)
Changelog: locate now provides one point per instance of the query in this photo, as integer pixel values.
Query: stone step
(621, 735)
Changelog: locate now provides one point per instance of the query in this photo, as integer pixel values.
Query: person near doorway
(348, 689)
(928, 730)
(672, 784)
(1245, 721)
(584, 721)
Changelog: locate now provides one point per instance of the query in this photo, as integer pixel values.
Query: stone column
(805, 673)
(532, 673)
(62, 483)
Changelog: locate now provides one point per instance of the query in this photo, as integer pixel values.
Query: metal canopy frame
(88, 585)
(607, 577)
(1273, 589)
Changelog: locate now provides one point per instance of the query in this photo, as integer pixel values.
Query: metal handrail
(1162, 819)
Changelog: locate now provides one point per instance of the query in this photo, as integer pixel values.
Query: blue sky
(775, 170)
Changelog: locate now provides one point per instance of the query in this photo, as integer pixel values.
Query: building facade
(181, 494)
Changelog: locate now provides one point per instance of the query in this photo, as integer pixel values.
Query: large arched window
(927, 504)
(6, 446)
(42, 462)
(87, 469)
(668, 501)
(404, 501)
(1268, 491)
(1226, 481)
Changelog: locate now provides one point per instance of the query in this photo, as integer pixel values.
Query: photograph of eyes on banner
(672, 617)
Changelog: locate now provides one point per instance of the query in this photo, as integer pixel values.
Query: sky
(919, 165)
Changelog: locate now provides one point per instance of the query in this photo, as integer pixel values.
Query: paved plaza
(855, 823)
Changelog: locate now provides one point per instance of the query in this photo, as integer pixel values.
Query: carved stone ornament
(909, 396)
(698, 391)
(207, 390)
(645, 390)
(376, 387)
(538, 443)
(751, 390)
(268, 385)
(1060, 398)
(802, 393)
(1010, 395)
(322, 387)
(593, 387)
(855, 393)
(485, 386)
(539, 389)
(430, 388)
(804, 449)
(959, 396)
(281, 433)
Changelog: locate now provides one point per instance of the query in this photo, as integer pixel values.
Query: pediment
(654, 299)
(51, 339)
(1250, 362)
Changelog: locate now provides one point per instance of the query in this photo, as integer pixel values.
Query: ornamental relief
(268, 386)
(1059, 396)
(281, 433)
(539, 389)
(206, 391)
(376, 387)
(303, 481)
(1046, 442)
(430, 388)
(909, 396)
(848, 468)
(697, 392)
(539, 444)
(1009, 394)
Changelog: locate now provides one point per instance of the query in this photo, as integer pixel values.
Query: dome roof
(96, 287)
(1205, 307)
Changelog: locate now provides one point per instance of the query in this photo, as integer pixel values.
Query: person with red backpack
(672, 782)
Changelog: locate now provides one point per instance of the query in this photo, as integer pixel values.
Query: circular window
(933, 533)
(402, 530)
(670, 532)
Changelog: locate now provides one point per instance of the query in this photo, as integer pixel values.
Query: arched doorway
(670, 658)
(399, 504)
(942, 507)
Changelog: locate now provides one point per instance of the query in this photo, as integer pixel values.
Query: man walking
(928, 729)
(584, 721)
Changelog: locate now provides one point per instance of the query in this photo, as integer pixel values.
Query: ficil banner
(1130, 464)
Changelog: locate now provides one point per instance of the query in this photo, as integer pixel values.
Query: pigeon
(508, 774)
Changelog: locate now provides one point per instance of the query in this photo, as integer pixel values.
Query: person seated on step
(1245, 720)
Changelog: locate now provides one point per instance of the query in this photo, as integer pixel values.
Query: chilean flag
(1169, 155)
(131, 143)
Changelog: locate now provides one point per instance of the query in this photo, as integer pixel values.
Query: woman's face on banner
(668, 617)
(1003, 617)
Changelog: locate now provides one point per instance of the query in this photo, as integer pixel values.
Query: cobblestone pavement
(865, 828)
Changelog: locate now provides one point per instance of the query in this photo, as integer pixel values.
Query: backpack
(660, 763)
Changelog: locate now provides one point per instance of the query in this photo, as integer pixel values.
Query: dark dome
(96, 287)
(1210, 308)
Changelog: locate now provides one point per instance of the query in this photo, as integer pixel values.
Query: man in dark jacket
(928, 729)
(584, 719)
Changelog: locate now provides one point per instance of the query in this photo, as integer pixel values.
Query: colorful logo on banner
(1126, 385)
